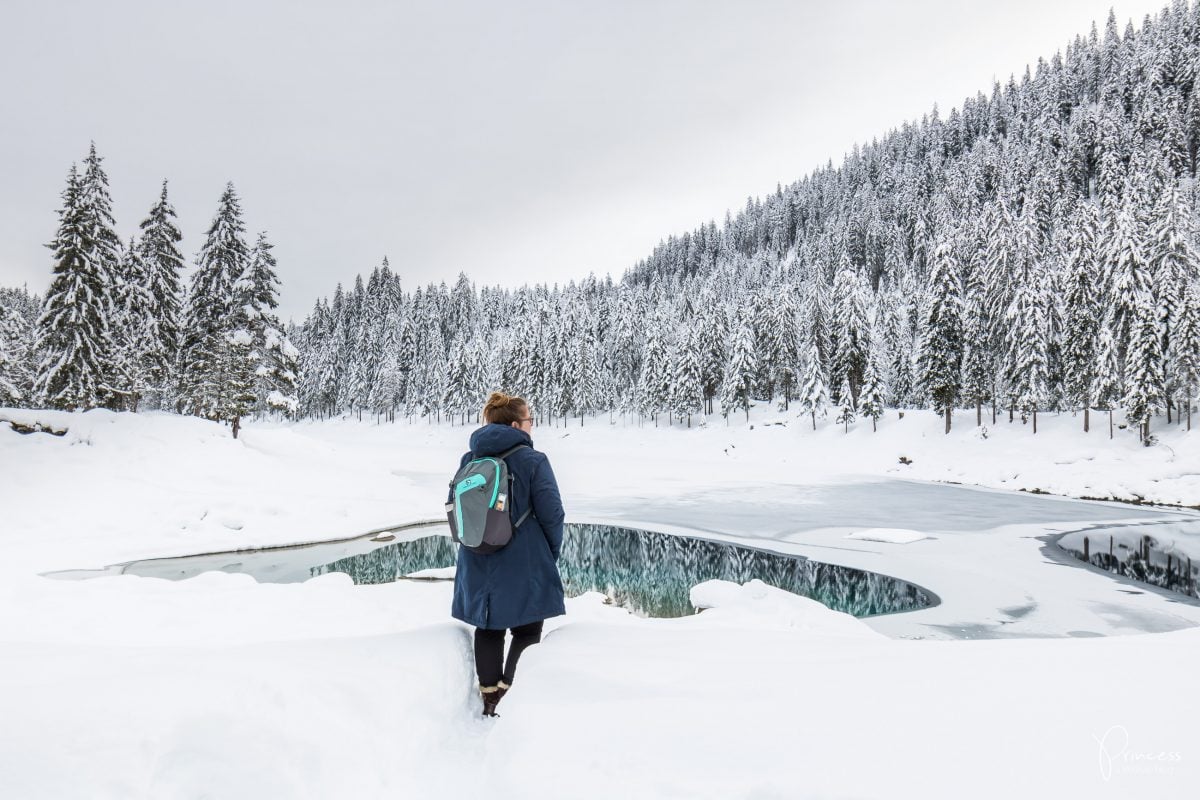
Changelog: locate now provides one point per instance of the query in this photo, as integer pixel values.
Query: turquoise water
(652, 573)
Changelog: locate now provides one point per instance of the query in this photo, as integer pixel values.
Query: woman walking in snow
(518, 586)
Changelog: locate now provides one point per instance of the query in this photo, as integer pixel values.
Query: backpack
(478, 510)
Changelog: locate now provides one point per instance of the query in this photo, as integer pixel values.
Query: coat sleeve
(547, 504)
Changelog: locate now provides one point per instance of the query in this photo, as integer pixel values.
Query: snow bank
(135, 687)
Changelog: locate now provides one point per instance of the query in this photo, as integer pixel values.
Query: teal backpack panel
(478, 511)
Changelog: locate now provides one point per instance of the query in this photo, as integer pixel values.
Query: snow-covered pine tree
(315, 372)
(1128, 279)
(1173, 264)
(356, 366)
(940, 359)
(238, 396)
(104, 252)
(588, 390)
(713, 334)
(651, 387)
(433, 379)
(851, 329)
(814, 397)
(1186, 346)
(14, 358)
(278, 370)
(135, 356)
(738, 384)
(163, 264)
(1027, 362)
(73, 334)
(1108, 385)
(1144, 372)
(870, 398)
(784, 337)
(456, 394)
(977, 345)
(686, 389)
(1081, 310)
(898, 345)
(846, 405)
(212, 316)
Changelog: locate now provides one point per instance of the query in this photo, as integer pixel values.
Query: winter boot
(491, 697)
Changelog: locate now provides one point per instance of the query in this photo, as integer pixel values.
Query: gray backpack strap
(510, 451)
(529, 510)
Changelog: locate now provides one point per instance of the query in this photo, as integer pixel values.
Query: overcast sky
(516, 141)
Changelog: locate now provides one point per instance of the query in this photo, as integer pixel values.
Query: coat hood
(494, 438)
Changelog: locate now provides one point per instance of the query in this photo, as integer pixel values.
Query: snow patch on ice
(893, 535)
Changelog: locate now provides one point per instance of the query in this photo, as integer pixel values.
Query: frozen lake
(989, 556)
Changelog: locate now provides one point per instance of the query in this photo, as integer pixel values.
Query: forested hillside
(1033, 249)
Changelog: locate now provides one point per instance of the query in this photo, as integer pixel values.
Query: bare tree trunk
(1086, 415)
(947, 420)
(1110, 431)
(978, 412)
(237, 424)
(1035, 420)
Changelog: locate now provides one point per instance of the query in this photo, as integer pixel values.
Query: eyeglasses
(526, 419)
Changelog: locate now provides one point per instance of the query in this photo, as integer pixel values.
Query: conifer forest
(1033, 250)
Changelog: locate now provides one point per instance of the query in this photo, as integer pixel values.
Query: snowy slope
(138, 687)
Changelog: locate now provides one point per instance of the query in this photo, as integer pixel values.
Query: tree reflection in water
(652, 573)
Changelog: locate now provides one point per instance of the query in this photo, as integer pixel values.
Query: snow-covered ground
(139, 687)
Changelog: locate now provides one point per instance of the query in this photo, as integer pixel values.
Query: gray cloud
(517, 141)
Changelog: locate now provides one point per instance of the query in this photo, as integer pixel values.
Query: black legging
(489, 652)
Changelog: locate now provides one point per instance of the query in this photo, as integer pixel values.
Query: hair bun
(499, 400)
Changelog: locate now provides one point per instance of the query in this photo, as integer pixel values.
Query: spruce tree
(941, 345)
(652, 388)
(1081, 311)
(74, 338)
(738, 385)
(1186, 346)
(852, 330)
(1144, 368)
(1128, 278)
(846, 405)
(213, 317)
(1173, 263)
(163, 264)
(13, 356)
(135, 357)
(870, 399)
(686, 390)
(1027, 375)
(1108, 386)
(104, 246)
(977, 344)
(784, 338)
(814, 398)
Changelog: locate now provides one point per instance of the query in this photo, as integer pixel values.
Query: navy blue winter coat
(519, 583)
